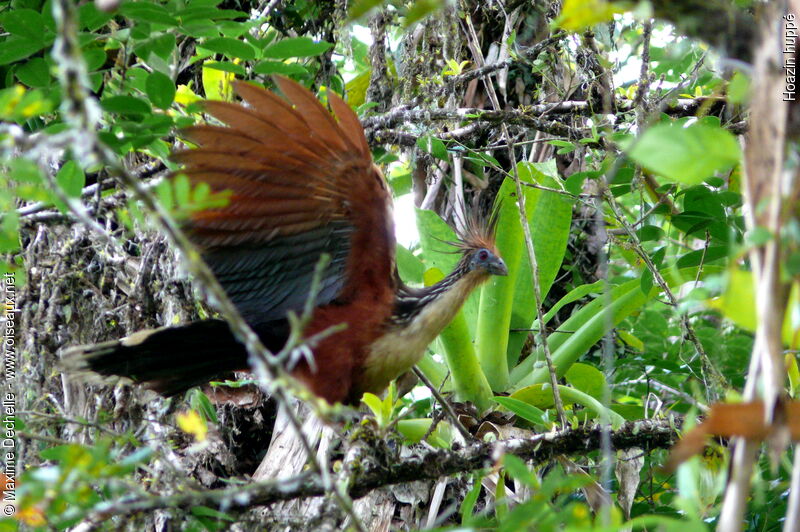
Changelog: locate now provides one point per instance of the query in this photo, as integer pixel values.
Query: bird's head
(487, 260)
(477, 245)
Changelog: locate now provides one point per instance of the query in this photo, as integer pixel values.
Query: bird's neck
(438, 303)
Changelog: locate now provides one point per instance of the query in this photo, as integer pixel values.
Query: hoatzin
(302, 183)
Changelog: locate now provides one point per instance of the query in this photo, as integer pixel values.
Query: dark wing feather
(302, 184)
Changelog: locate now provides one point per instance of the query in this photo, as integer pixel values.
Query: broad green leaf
(125, 105)
(549, 221)
(575, 294)
(232, 48)
(686, 154)
(160, 89)
(200, 29)
(519, 470)
(35, 73)
(433, 146)
(91, 18)
(295, 47)
(647, 233)
(71, 179)
(497, 295)
(26, 24)
(148, 12)
(524, 410)
(375, 404)
(630, 340)
(587, 379)
(233, 68)
(9, 232)
(24, 171)
(434, 236)
(421, 9)
(200, 11)
(17, 48)
(414, 429)
(409, 266)
(279, 67)
(204, 511)
(469, 381)
(357, 89)
(94, 57)
(359, 8)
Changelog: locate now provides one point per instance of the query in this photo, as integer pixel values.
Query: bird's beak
(497, 267)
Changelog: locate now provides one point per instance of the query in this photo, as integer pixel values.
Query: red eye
(483, 254)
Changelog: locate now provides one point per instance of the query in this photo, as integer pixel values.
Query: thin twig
(445, 405)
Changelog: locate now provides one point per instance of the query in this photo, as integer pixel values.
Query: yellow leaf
(32, 516)
(794, 373)
(217, 84)
(185, 95)
(631, 340)
(577, 15)
(357, 89)
(191, 423)
(738, 304)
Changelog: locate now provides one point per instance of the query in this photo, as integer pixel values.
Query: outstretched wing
(303, 184)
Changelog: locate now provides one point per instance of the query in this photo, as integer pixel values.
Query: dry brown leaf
(737, 419)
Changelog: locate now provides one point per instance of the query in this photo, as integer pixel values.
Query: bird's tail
(168, 360)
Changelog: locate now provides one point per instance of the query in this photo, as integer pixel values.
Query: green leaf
(91, 18)
(278, 67)
(9, 232)
(160, 89)
(232, 48)
(24, 23)
(359, 8)
(549, 221)
(421, 9)
(434, 146)
(148, 12)
(524, 410)
(409, 266)
(125, 105)
(647, 233)
(686, 154)
(233, 68)
(519, 470)
(575, 294)
(200, 402)
(34, 73)
(16, 48)
(587, 379)
(204, 511)
(25, 171)
(295, 47)
(94, 57)
(162, 46)
(71, 179)
(469, 380)
(200, 29)
(414, 429)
